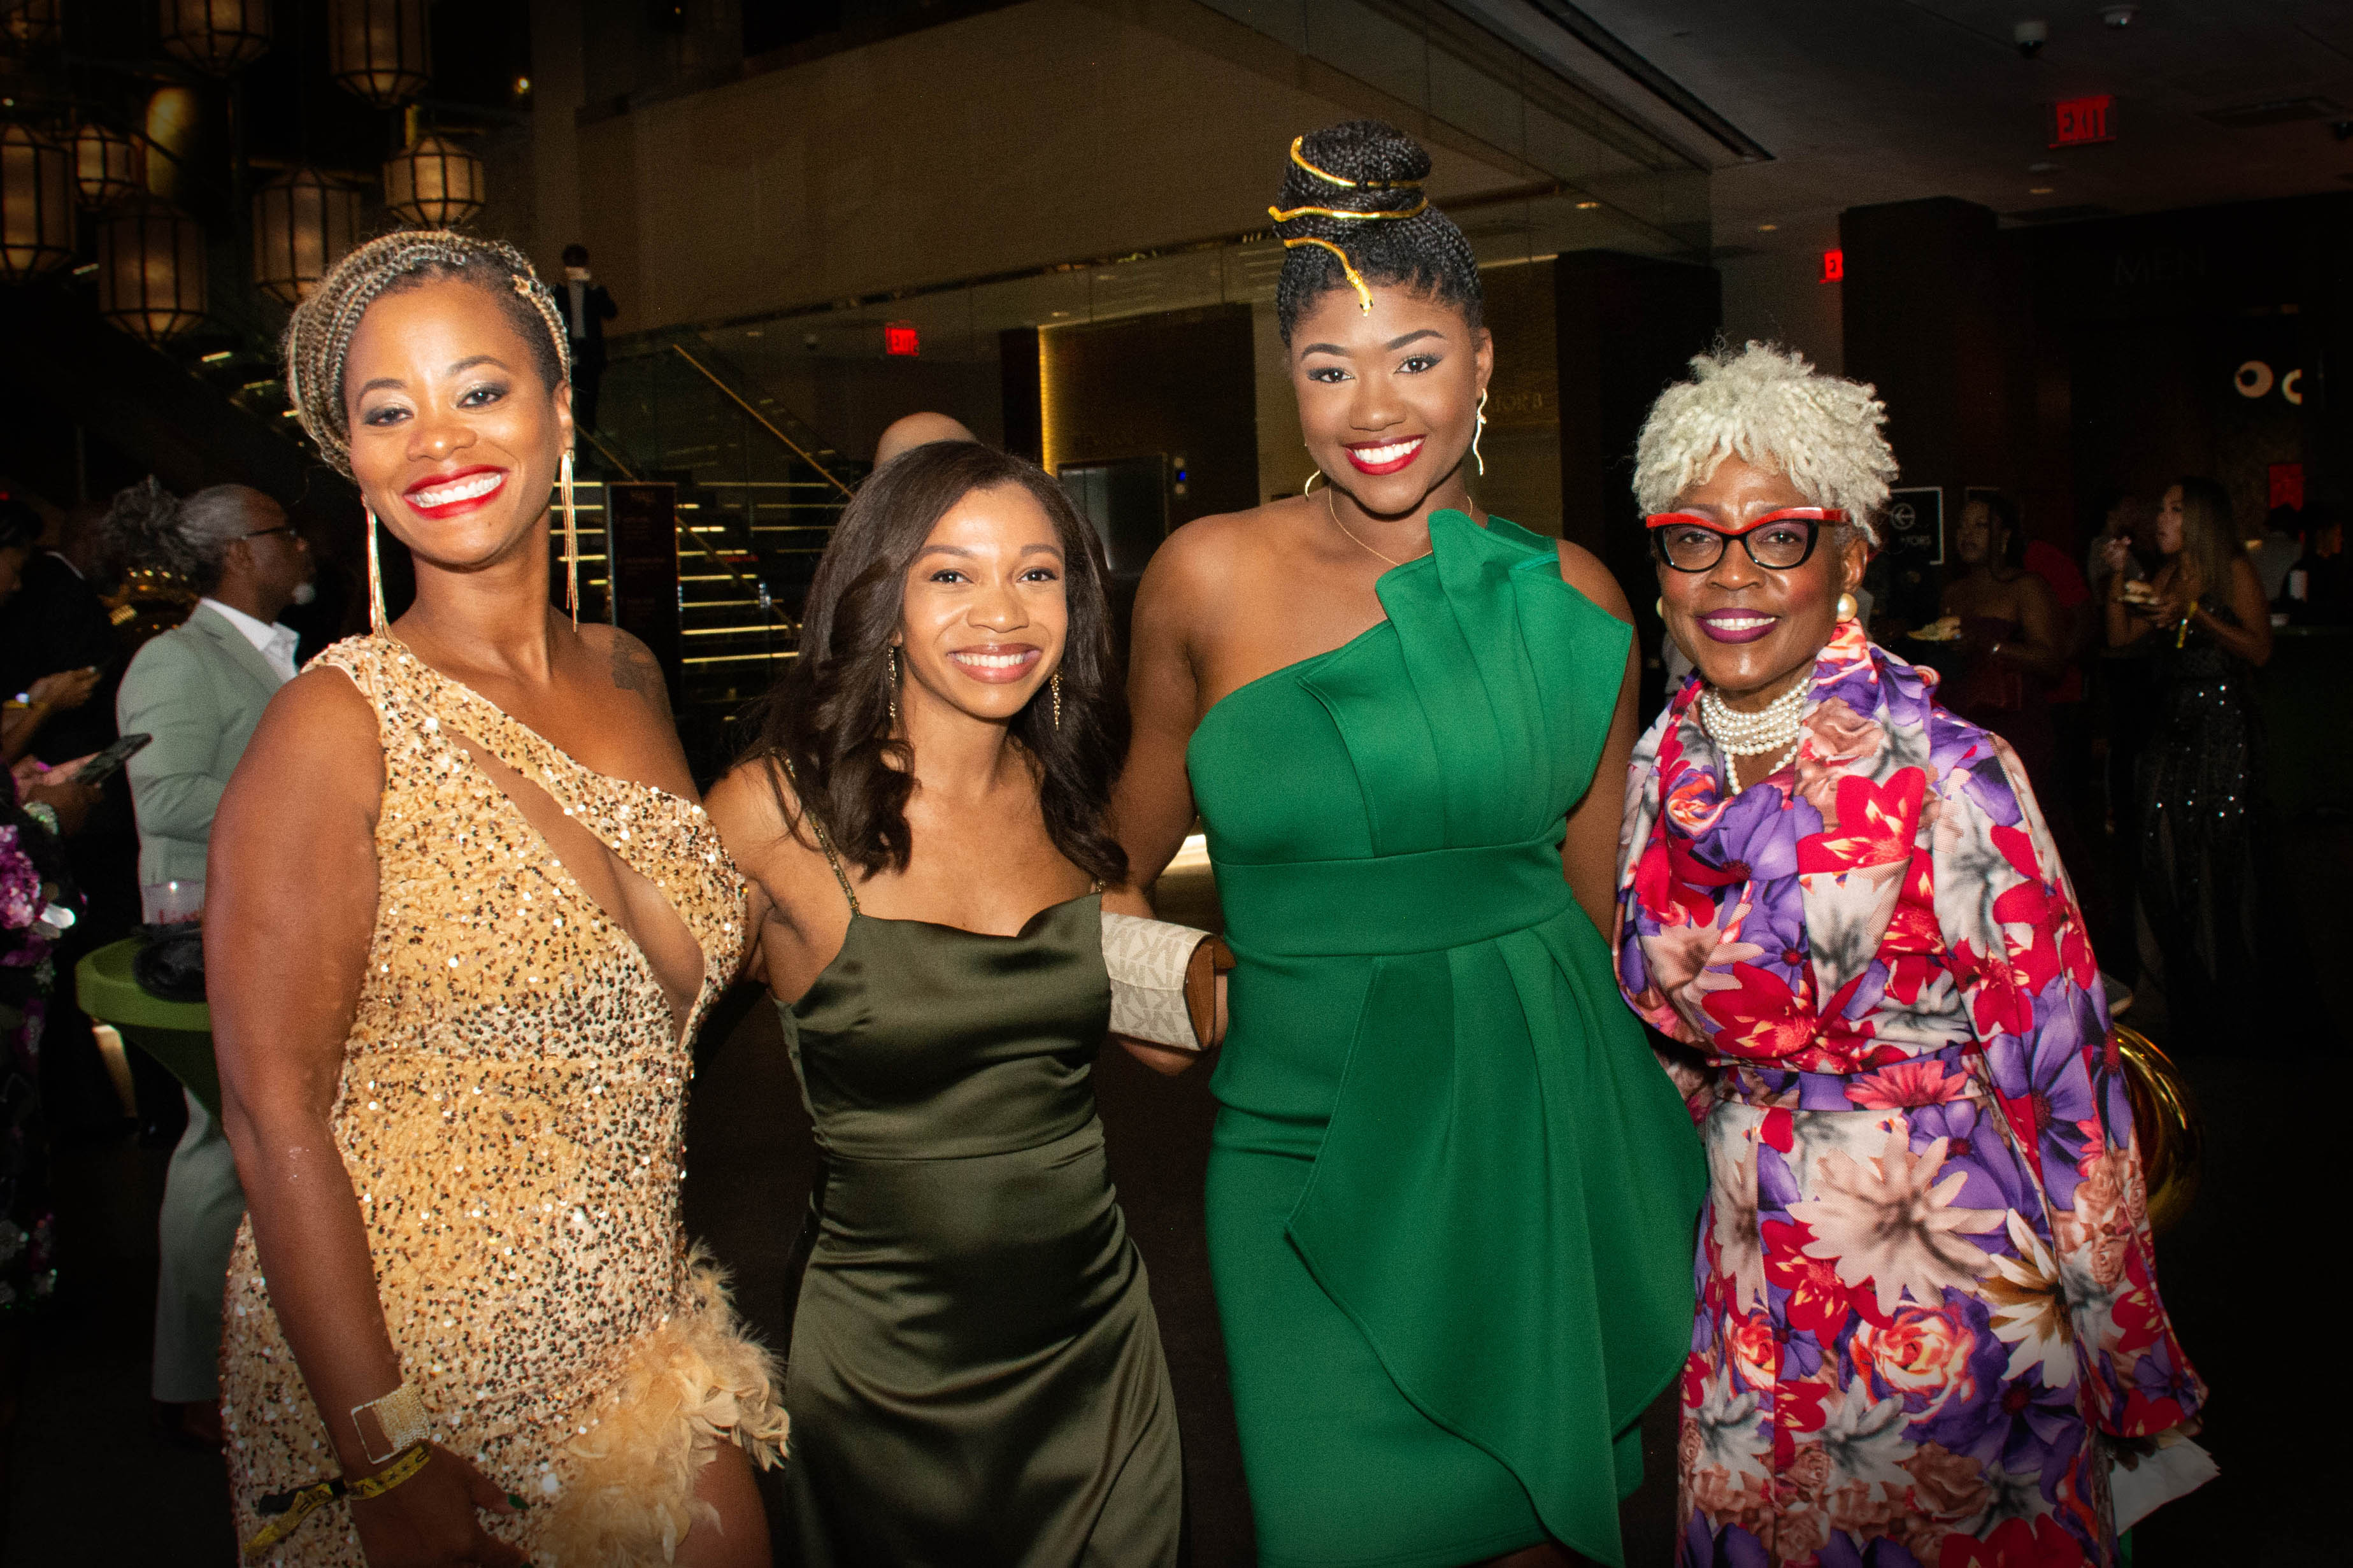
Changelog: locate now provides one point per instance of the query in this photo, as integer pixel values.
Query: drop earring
(1309, 488)
(1478, 430)
(570, 540)
(890, 688)
(1058, 699)
(376, 574)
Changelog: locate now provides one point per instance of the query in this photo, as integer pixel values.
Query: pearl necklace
(1771, 729)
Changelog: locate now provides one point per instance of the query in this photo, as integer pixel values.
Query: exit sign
(899, 338)
(2076, 121)
(1833, 266)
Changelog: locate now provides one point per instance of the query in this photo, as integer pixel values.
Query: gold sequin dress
(512, 1113)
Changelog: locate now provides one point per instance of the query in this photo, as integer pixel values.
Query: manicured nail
(515, 1500)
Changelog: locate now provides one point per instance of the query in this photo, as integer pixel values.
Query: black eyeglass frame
(1814, 517)
(266, 533)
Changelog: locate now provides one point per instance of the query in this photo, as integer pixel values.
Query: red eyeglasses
(1776, 542)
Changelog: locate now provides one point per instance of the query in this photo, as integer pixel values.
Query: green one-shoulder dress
(976, 1377)
(1452, 1193)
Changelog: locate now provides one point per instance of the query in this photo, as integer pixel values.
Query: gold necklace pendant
(1333, 511)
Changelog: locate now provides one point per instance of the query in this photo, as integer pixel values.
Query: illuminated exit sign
(2080, 120)
(899, 338)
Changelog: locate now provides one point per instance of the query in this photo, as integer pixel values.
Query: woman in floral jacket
(1928, 1307)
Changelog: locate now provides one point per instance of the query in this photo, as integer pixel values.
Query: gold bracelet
(287, 1510)
(399, 1419)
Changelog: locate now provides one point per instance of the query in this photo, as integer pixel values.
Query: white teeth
(467, 488)
(1740, 624)
(992, 660)
(1373, 457)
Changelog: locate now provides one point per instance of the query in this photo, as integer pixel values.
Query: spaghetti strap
(824, 840)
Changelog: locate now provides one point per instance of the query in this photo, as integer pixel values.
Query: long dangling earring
(570, 540)
(1056, 684)
(892, 687)
(375, 576)
(1309, 488)
(1479, 430)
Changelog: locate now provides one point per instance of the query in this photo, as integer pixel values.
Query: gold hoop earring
(570, 540)
(1056, 684)
(1478, 430)
(1847, 607)
(376, 574)
(1309, 488)
(891, 688)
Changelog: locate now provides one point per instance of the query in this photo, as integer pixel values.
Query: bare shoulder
(629, 663)
(1201, 562)
(317, 745)
(1582, 570)
(759, 819)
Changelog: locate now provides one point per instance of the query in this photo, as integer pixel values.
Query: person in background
(2274, 554)
(2013, 637)
(41, 701)
(1928, 1307)
(199, 689)
(58, 627)
(587, 305)
(2122, 516)
(2320, 585)
(2201, 777)
(913, 430)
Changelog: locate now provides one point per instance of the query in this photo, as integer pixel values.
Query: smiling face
(1749, 629)
(455, 437)
(986, 616)
(2169, 521)
(1388, 400)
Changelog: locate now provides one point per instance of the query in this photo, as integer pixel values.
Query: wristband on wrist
(287, 1510)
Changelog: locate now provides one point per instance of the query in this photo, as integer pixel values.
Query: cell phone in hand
(103, 765)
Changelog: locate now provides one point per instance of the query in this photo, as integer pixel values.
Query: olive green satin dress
(1450, 1193)
(976, 1375)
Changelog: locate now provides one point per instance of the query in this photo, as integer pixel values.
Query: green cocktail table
(177, 1034)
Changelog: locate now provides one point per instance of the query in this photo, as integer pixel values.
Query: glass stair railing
(757, 495)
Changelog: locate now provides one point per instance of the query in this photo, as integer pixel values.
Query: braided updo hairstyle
(319, 338)
(1371, 167)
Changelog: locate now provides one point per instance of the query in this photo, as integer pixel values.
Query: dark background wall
(1180, 384)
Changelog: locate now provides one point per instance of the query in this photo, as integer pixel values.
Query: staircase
(758, 494)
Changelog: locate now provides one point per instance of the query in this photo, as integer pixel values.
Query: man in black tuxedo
(587, 306)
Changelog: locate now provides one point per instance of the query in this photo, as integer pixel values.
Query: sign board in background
(1916, 523)
(641, 551)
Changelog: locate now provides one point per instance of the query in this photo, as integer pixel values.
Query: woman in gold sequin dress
(466, 914)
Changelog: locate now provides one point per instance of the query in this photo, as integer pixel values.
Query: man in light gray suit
(199, 689)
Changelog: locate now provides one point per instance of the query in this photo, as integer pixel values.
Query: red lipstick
(1384, 457)
(438, 496)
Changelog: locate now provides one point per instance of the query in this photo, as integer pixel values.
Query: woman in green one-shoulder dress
(974, 1376)
(1452, 1193)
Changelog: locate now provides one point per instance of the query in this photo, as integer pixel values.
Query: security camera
(2119, 16)
(2030, 38)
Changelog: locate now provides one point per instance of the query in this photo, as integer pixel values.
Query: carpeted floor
(89, 1485)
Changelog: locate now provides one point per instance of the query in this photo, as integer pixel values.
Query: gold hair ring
(1284, 215)
(1355, 278)
(1300, 159)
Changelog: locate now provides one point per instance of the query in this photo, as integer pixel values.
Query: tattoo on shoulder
(635, 669)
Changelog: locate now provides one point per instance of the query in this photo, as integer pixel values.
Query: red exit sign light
(1833, 266)
(899, 338)
(2077, 121)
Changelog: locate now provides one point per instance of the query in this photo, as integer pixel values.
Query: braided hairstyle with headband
(319, 338)
(1352, 214)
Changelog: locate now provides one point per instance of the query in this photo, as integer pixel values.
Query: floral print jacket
(1924, 1270)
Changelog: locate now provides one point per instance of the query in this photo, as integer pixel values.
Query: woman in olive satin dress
(1450, 1193)
(976, 1375)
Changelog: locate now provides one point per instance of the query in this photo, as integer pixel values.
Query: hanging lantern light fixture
(218, 38)
(151, 268)
(434, 184)
(380, 49)
(108, 164)
(36, 218)
(303, 222)
(27, 24)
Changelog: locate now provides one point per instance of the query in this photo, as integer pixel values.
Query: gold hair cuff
(287, 1510)
(1284, 215)
(1330, 179)
(399, 1419)
(1355, 278)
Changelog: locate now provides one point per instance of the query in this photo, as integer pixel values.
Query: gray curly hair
(1767, 406)
(150, 528)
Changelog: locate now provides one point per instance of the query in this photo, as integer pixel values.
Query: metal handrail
(766, 603)
(735, 397)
